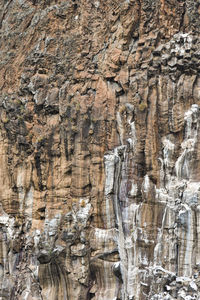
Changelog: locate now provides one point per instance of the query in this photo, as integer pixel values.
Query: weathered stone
(99, 150)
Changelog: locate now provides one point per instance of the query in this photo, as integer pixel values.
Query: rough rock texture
(99, 149)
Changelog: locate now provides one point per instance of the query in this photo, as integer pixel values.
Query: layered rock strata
(100, 152)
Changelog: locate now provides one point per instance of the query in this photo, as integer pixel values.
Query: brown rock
(99, 150)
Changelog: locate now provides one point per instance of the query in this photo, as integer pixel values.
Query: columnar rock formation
(99, 150)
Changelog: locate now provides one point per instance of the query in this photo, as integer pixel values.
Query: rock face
(99, 150)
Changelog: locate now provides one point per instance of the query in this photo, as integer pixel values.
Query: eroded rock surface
(99, 150)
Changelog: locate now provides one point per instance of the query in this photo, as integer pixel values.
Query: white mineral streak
(134, 189)
(146, 184)
(158, 247)
(116, 166)
(120, 127)
(133, 134)
(109, 160)
(104, 242)
(178, 199)
(180, 193)
(29, 203)
(121, 238)
(192, 124)
(83, 213)
(51, 226)
(129, 224)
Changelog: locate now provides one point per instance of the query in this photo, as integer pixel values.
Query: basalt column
(99, 150)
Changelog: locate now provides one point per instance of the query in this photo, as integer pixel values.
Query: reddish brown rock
(99, 144)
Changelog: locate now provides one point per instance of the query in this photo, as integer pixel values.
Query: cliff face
(99, 150)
